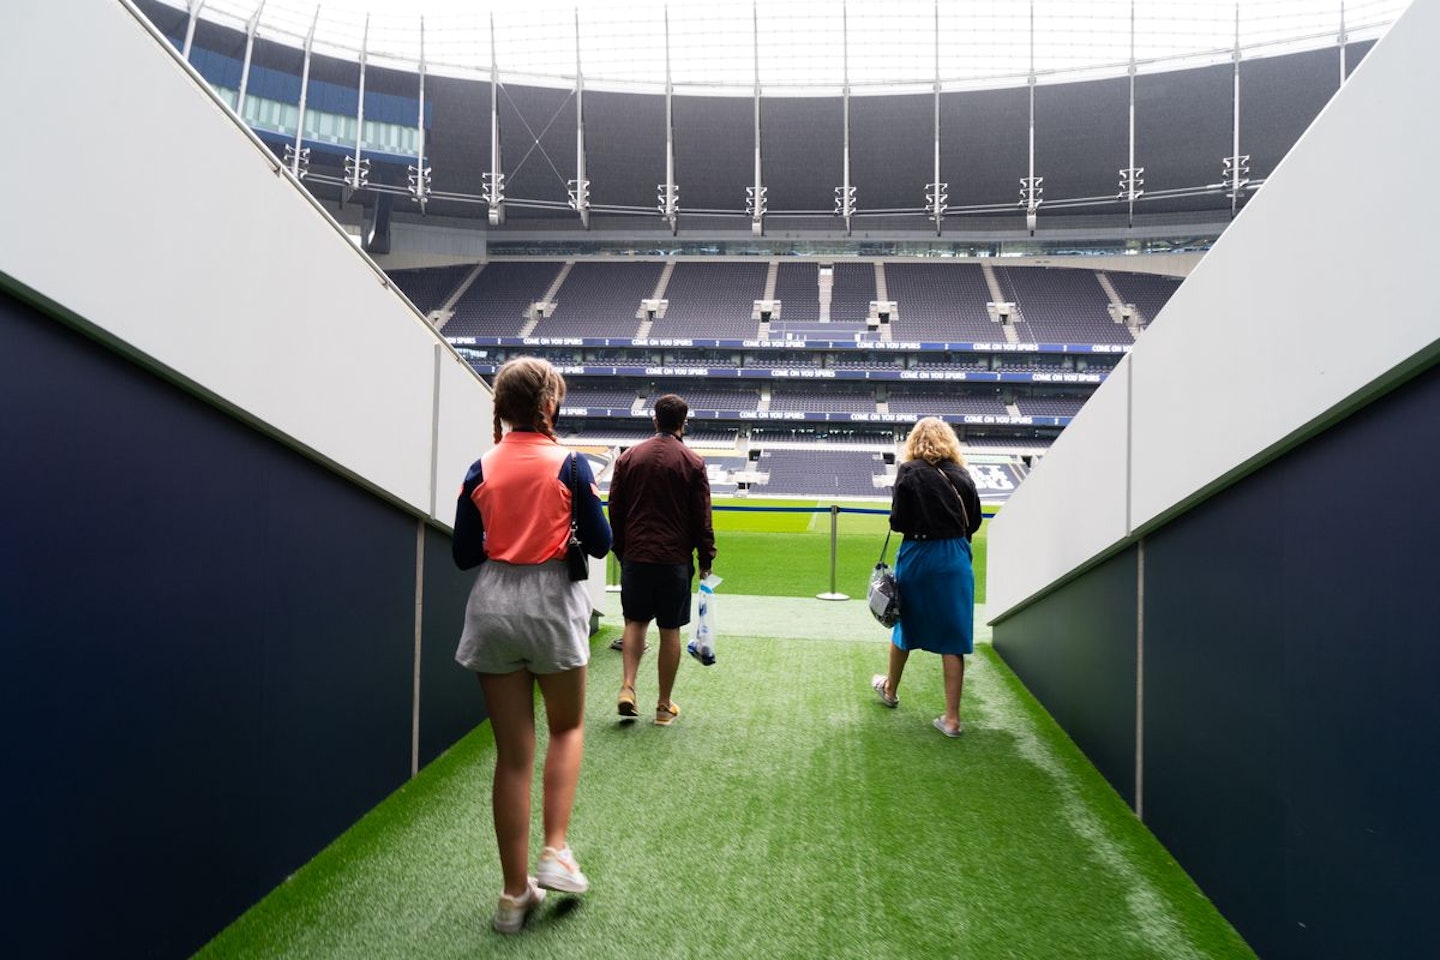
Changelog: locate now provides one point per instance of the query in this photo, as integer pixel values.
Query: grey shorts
(530, 616)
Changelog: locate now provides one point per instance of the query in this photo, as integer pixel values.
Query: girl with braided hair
(527, 623)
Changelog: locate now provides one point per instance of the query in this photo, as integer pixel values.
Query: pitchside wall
(1239, 628)
(229, 609)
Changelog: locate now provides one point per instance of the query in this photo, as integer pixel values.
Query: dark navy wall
(209, 642)
(1290, 726)
(1075, 651)
(451, 705)
(1215, 699)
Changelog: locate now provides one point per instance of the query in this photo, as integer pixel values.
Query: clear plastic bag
(702, 633)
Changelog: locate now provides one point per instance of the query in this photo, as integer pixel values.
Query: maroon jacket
(660, 504)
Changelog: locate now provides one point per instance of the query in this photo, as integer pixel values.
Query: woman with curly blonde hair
(934, 504)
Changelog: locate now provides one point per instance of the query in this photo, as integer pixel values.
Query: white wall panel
(1324, 283)
(465, 431)
(1321, 293)
(148, 211)
(1070, 509)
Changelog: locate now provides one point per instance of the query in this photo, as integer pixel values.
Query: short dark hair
(670, 413)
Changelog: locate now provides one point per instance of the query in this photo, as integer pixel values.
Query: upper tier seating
(495, 304)
(600, 299)
(797, 287)
(1061, 306)
(712, 300)
(429, 287)
(852, 292)
(936, 301)
(940, 301)
(1149, 293)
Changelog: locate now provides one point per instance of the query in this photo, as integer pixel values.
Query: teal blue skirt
(937, 596)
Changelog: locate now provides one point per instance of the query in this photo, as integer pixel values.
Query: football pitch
(786, 553)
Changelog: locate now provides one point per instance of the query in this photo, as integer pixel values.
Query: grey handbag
(884, 593)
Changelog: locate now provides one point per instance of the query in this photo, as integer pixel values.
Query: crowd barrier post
(834, 528)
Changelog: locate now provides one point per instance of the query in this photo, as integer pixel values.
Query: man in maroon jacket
(660, 515)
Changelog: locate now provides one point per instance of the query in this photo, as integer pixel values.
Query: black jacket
(926, 503)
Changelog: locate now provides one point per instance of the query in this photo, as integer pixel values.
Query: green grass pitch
(788, 554)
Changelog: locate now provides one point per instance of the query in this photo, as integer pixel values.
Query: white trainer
(557, 870)
(511, 912)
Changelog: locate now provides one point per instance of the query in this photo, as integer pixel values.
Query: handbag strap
(574, 493)
(885, 546)
(964, 514)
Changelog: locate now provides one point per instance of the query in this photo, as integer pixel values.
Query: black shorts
(656, 591)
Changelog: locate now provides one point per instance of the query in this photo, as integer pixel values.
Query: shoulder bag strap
(885, 546)
(964, 514)
(574, 493)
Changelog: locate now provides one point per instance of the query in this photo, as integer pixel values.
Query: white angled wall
(1323, 290)
(1071, 514)
(140, 204)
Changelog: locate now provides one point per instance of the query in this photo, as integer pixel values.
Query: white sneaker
(510, 914)
(557, 870)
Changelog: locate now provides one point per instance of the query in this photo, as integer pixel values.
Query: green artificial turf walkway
(787, 813)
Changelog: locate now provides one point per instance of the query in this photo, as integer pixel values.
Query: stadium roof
(801, 46)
